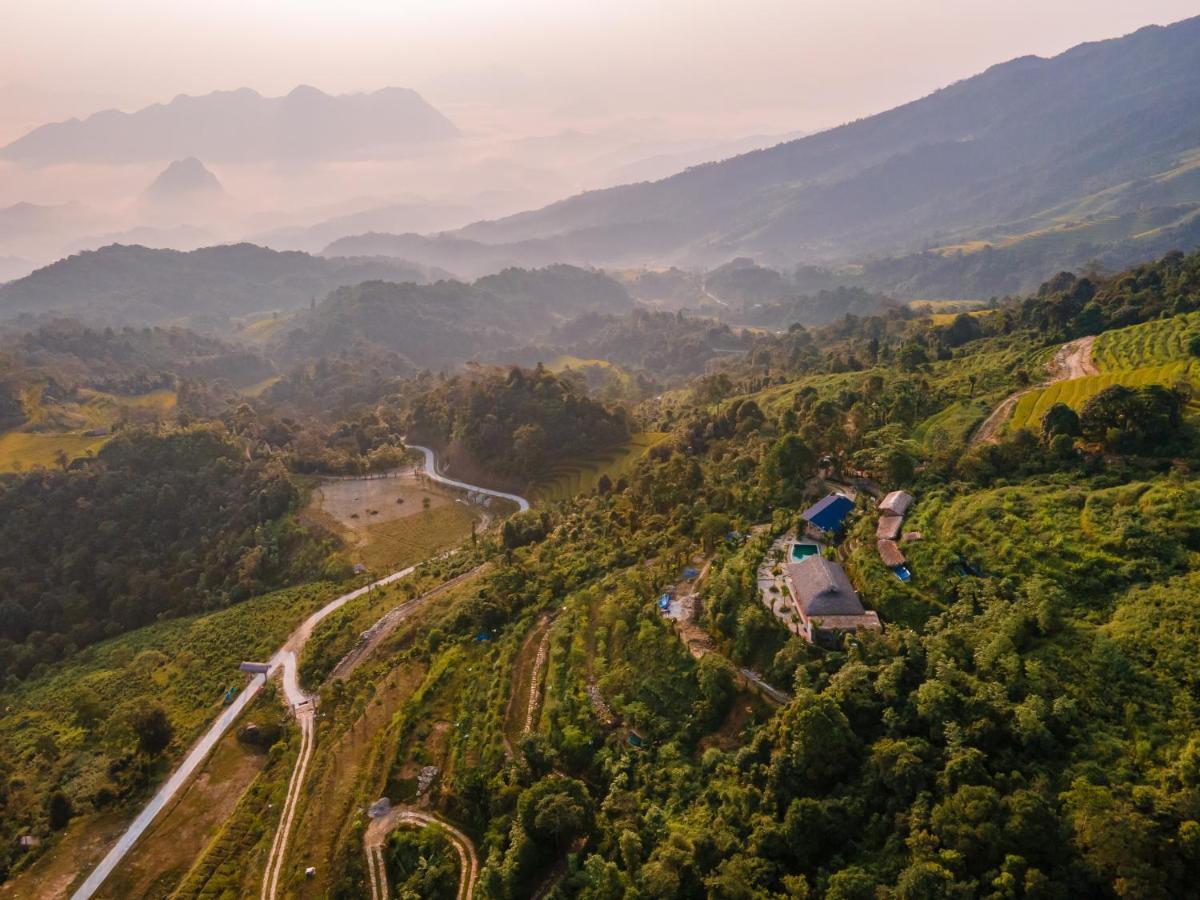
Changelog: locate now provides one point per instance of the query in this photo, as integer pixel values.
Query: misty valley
(479, 490)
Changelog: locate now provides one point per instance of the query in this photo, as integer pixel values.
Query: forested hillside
(441, 324)
(137, 285)
(516, 423)
(156, 526)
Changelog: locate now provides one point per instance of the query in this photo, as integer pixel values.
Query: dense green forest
(515, 423)
(155, 526)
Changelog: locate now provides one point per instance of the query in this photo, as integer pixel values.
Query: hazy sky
(733, 67)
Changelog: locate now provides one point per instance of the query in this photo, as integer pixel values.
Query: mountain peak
(184, 177)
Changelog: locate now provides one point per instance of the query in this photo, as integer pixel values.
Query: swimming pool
(800, 551)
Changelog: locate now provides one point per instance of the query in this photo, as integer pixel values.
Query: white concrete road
(285, 660)
(432, 472)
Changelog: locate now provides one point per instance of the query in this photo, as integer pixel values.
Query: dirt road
(377, 835)
(283, 662)
(389, 621)
(1073, 360)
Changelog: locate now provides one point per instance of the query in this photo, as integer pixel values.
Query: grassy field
(387, 523)
(402, 542)
(265, 328)
(956, 422)
(64, 426)
(565, 481)
(259, 387)
(1148, 344)
(943, 312)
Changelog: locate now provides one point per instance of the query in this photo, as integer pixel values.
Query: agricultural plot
(72, 426)
(1076, 392)
(393, 522)
(565, 481)
(1148, 344)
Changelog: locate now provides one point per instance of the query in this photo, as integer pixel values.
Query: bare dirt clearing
(359, 502)
(393, 520)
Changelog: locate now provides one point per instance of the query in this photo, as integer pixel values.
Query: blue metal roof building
(828, 513)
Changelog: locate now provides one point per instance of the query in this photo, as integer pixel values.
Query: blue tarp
(902, 572)
(829, 512)
(689, 573)
(664, 602)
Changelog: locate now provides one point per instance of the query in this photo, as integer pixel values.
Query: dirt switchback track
(1073, 360)
(377, 835)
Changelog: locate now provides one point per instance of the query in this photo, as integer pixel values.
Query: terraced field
(1075, 393)
(1150, 353)
(565, 481)
(1151, 343)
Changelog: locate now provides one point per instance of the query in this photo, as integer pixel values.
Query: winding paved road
(283, 661)
(432, 472)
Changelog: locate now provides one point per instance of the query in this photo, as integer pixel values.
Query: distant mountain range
(451, 321)
(242, 126)
(204, 288)
(1039, 163)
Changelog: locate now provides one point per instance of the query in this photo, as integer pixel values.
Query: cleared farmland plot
(70, 426)
(1151, 353)
(1148, 344)
(1032, 406)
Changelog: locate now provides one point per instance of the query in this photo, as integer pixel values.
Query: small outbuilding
(888, 528)
(828, 513)
(896, 503)
(890, 553)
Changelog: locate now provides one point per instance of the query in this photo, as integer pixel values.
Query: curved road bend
(1072, 360)
(284, 658)
(432, 472)
(376, 838)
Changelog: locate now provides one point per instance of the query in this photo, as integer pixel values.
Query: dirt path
(524, 698)
(377, 835)
(389, 621)
(270, 884)
(1072, 360)
(284, 662)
